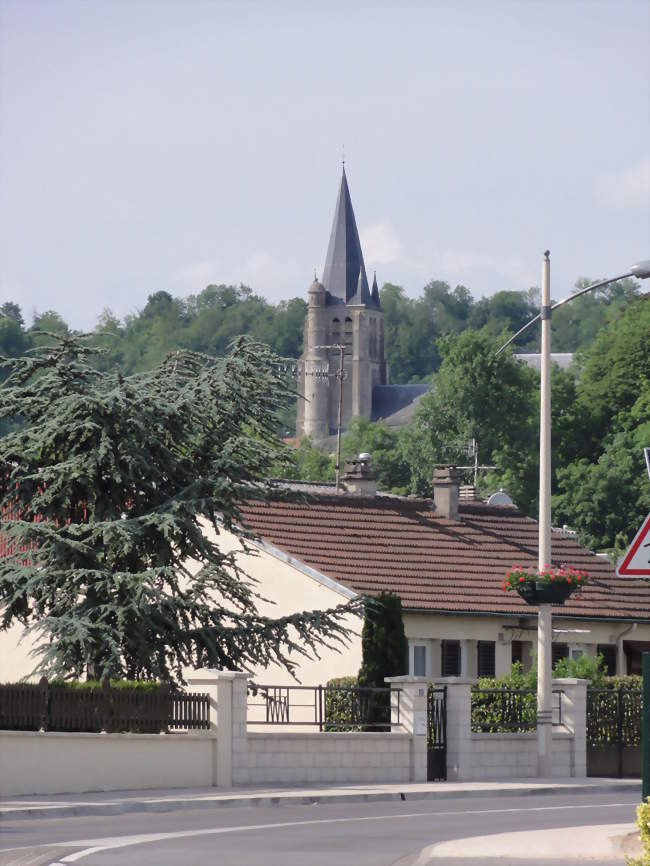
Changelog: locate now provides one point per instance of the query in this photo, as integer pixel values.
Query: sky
(166, 145)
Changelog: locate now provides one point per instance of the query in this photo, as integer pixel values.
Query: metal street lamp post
(545, 621)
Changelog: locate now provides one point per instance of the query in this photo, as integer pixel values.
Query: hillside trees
(116, 488)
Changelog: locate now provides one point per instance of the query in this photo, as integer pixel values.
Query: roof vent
(359, 477)
(445, 491)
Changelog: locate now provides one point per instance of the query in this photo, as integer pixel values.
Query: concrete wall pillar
(228, 692)
(574, 719)
(459, 727)
(413, 719)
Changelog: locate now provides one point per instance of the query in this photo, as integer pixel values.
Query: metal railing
(614, 716)
(509, 710)
(329, 708)
(54, 707)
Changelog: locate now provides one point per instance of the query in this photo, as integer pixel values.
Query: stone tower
(343, 309)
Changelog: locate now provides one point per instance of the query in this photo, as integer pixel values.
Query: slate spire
(374, 294)
(344, 276)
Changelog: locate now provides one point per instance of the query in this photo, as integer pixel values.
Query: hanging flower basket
(549, 586)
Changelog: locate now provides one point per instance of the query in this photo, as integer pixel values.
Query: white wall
(291, 757)
(290, 590)
(33, 762)
(514, 756)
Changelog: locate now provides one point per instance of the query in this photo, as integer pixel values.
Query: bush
(339, 705)
(585, 668)
(137, 685)
(643, 823)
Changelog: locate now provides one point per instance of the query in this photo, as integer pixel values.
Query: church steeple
(374, 294)
(344, 276)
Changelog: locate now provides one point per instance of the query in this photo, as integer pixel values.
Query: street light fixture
(641, 270)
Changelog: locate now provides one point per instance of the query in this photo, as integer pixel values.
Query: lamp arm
(561, 303)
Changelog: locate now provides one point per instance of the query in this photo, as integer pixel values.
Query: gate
(614, 732)
(437, 734)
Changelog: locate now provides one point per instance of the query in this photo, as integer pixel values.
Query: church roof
(345, 276)
(396, 404)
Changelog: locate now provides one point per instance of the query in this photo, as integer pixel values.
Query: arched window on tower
(373, 338)
(335, 333)
(348, 332)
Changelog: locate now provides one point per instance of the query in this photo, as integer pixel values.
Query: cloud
(264, 269)
(196, 276)
(455, 263)
(627, 189)
(380, 244)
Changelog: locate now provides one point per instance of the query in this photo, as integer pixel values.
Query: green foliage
(474, 395)
(643, 823)
(585, 668)
(311, 463)
(384, 646)
(384, 444)
(339, 704)
(117, 488)
(122, 685)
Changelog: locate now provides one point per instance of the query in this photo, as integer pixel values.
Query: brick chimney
(358, 476)
(445, 491)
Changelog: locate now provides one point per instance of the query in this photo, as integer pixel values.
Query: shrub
(339, 704)
(643, 823)
(585, 668)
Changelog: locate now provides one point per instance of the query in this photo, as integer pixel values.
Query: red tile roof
(403, 546)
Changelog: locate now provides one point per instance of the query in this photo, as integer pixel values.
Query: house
(446, 559)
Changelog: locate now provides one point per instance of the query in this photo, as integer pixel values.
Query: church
(343, 310)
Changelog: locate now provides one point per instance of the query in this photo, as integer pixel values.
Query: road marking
(109, 843)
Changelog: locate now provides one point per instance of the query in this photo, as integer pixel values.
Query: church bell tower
(342, 310)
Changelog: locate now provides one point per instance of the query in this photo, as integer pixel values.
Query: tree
(384, 646)
(13, 311)
(116, 488)
(475, 394)
(383, 444)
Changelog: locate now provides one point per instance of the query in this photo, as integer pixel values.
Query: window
(450, 652)
(577, 653)
(559, 651)
(336, 331)
(485, 658)
(517, 651)
(348, 331)
(608, 652)
(419, 661)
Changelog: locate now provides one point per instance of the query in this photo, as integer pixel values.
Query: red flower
(521, 580)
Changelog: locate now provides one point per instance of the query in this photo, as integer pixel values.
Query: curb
(130, 806)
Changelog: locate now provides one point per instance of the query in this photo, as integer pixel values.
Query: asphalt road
(355, 834)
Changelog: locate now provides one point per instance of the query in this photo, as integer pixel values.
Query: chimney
(358, 476)
(445, 491)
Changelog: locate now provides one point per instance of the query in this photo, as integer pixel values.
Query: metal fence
(329, 708)
(509, 710)
(54, 707)
(614, 732)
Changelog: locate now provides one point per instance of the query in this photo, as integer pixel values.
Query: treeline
(207, 322)
(601, 407)
(600, 425)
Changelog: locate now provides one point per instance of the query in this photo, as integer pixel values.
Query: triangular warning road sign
(636, 562)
